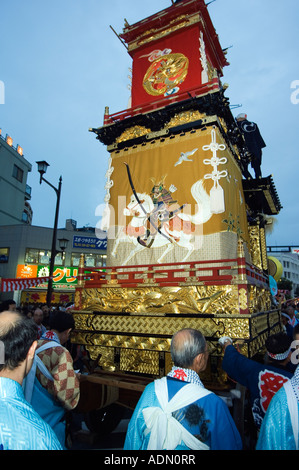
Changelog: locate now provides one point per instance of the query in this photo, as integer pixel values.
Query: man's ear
(197, 362)
(31, 352)
(200, 362)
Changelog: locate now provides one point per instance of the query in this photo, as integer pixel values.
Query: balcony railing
(210, 272)
(28, 190)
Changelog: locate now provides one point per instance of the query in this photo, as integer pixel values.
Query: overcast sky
(61, 64)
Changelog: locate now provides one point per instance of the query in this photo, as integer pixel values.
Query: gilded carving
(255, 251)
(165, 73)
(153, 299)
(243, 301)
(212, 72)
(154, 33)
(144, 362)
(259, 299)
(112, 330)
(263, 249)
(185, 117)
(234, 327)
(104, 356)
(138, 343)
(133, 133)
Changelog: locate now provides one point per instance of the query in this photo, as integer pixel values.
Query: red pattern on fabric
(66, 386)
(49, 335)
(180, 374)
(269, 384)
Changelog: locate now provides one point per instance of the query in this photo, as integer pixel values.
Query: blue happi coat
(208, 419)
(21, 428)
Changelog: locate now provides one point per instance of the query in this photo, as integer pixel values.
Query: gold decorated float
(186, 230)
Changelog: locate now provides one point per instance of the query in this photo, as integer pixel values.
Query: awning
(10, 285)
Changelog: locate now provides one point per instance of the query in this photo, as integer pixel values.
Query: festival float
(186, 228)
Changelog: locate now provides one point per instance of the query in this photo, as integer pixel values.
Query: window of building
(44, 256)
(35, 256)
(90, 260)
(25, 217)
(59, 259)
(31, 256)
(18, 173)
(101, 260)
(75, 259)
(4, 255)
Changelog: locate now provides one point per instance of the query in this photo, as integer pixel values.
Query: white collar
(50, 335)
(186, 375)
(295, 382)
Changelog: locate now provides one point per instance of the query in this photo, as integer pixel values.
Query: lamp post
(42, 168)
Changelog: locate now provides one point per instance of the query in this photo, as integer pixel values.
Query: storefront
(26, 254)
(64, 283)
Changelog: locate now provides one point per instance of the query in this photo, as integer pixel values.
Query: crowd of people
(38, 383)
(39, 312)
(38, 386)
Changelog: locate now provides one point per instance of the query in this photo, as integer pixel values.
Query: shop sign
(92, 243)
(63, 277)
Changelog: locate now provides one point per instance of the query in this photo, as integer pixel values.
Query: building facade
(16, 194)
(288, 256)
(25, 252)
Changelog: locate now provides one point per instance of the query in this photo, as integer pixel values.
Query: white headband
(280, 356)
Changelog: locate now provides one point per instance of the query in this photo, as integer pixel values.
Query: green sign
(63, 276)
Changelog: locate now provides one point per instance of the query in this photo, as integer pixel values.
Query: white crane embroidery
(184, 157)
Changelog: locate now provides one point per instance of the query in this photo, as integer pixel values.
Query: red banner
(10, 285)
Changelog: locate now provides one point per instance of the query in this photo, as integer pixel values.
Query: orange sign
(26, 270)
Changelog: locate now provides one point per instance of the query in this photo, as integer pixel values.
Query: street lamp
(63, 243)
(42, 168)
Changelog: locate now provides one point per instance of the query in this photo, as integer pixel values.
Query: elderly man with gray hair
(177, 412)
(21, 428)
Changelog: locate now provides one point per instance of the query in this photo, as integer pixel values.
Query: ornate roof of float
(178, 16)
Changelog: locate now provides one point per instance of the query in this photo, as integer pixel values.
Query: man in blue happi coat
(279, 430)
(21, 428)
(177, 412)
(262, 380)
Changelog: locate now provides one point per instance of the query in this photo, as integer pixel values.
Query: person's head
(241, 117)
(45, 310)
(189, 349)
(62, 323)
(279, 347)
(296, 333)
(38, 316)
(290, 311)
(9, 305)
(18, 336)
